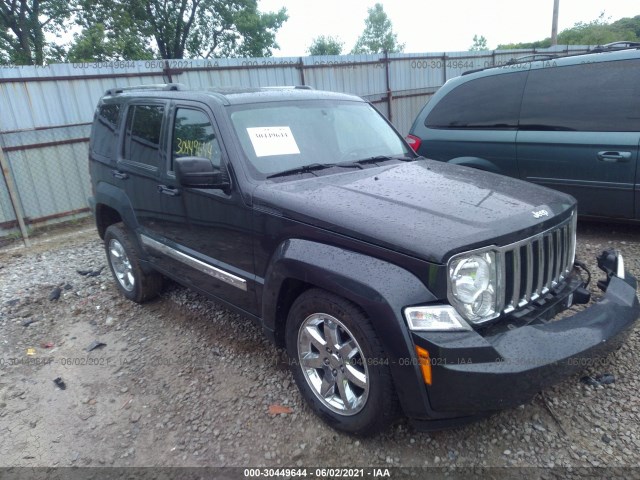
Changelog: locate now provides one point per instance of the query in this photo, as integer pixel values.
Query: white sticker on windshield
(269, 141)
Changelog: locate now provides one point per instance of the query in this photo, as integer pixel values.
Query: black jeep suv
(394, 282)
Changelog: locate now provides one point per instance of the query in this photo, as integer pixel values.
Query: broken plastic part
(581, 296)
(607, 261)
(95, 344)
(90, 273)
(610, 263)
(604, 379)
(60, 383)
(55, 294)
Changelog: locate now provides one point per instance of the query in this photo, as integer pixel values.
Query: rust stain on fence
(45, 144)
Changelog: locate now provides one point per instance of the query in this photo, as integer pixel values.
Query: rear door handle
(613, 157)
(119, 174)
(172, 192)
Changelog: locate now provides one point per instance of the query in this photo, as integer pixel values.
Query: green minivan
(571, 123)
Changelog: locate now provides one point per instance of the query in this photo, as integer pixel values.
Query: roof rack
(293, 87)
(609, 47)
(168, 87)
(532, 58)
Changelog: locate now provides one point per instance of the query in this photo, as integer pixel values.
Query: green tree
(378, 36)
(173, 29)
(95, 44)
(111, 31)
(546, 43)
(23, 25)
(596, 32)
(628, 25)
(5, 47)
(479, 43)
(233, 28)
(325, 46)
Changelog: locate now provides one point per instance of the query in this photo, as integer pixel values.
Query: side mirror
(199, 172)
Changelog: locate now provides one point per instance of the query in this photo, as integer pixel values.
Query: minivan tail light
(414, 142)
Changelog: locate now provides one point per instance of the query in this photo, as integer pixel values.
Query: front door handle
(172, 192)
(119, 174)
(613, 157)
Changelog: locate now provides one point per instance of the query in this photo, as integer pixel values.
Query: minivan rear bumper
(472, 374)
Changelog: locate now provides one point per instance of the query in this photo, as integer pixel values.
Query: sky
(428, 26)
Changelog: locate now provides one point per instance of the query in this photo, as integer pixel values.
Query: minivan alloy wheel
(121, 265)
(333, 364)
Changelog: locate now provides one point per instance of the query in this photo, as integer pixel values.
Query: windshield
(283, 136)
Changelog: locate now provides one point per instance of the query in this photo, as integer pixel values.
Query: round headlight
(470, 278)
(473, 286)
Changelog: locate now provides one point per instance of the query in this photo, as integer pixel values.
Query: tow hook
(611, 263)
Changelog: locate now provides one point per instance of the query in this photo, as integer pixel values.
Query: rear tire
(338, 363)
(124, 263)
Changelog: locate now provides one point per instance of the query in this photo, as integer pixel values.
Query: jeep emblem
(540, 213)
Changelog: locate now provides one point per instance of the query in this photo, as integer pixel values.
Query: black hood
(426, 209)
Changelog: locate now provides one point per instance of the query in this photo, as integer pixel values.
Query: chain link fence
(45, 179)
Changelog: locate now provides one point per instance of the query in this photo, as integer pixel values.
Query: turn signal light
(424, 360)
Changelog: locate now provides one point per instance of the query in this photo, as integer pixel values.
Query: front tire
(124, 263)
(338, 363)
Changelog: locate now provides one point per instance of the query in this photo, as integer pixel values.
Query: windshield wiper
(382, 158)
(303, 169)
(313, 167)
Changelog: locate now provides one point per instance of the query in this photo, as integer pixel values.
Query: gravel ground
(184, 382)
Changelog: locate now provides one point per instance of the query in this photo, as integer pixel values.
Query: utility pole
(554, 24)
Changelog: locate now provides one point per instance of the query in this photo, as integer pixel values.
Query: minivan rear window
(488, 102)
(590, 97)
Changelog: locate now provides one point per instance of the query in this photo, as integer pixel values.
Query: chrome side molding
(193, 262)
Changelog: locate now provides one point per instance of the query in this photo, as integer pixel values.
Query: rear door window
(484, 103)
(105, 125)
(142, 134)
(590, 97)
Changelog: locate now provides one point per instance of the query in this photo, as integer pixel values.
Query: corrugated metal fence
(46, 112)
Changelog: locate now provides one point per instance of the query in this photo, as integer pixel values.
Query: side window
(142, 134)
(591, 97)
(193, 136)
(105, 125)
(487, 102)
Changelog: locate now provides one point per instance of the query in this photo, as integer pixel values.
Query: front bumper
(474, 374)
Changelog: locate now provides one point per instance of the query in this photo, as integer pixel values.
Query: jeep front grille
(534, 266)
